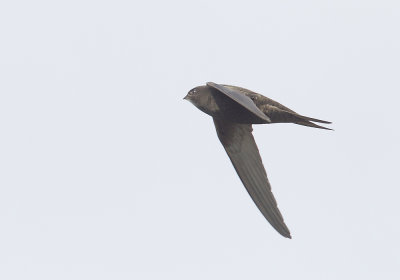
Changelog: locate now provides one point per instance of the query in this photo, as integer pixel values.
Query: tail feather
(310, 124)
(278, 115)
(313, 120)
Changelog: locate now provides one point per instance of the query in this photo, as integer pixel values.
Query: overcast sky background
(106, 173)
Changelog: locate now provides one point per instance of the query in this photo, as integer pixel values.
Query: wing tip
(288, 235)
(284, 232)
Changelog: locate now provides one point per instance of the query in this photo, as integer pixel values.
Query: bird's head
(199, 96)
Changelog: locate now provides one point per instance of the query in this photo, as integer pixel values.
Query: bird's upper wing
(241, 99)
(242, 150)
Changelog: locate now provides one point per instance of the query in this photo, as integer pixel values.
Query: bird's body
(219, 106)
(234, 110)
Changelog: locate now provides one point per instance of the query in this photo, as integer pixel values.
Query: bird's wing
(242, 150)
(241, 99)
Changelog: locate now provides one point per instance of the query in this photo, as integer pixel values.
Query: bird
(234, 110)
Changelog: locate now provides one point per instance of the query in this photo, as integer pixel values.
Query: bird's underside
(274, 111)
(234, 110)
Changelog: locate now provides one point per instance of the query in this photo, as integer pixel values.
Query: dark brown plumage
(234, 110)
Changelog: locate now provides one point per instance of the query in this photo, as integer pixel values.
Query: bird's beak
(186, 97)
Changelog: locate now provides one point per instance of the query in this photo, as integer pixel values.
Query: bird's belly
(229, 110)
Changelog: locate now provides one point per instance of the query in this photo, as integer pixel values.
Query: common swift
(234, 111)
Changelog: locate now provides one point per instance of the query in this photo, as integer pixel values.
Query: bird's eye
(193, 91)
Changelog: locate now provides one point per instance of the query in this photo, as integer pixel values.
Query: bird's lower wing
(242, 150)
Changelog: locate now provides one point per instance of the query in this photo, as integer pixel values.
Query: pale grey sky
(106, 173)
